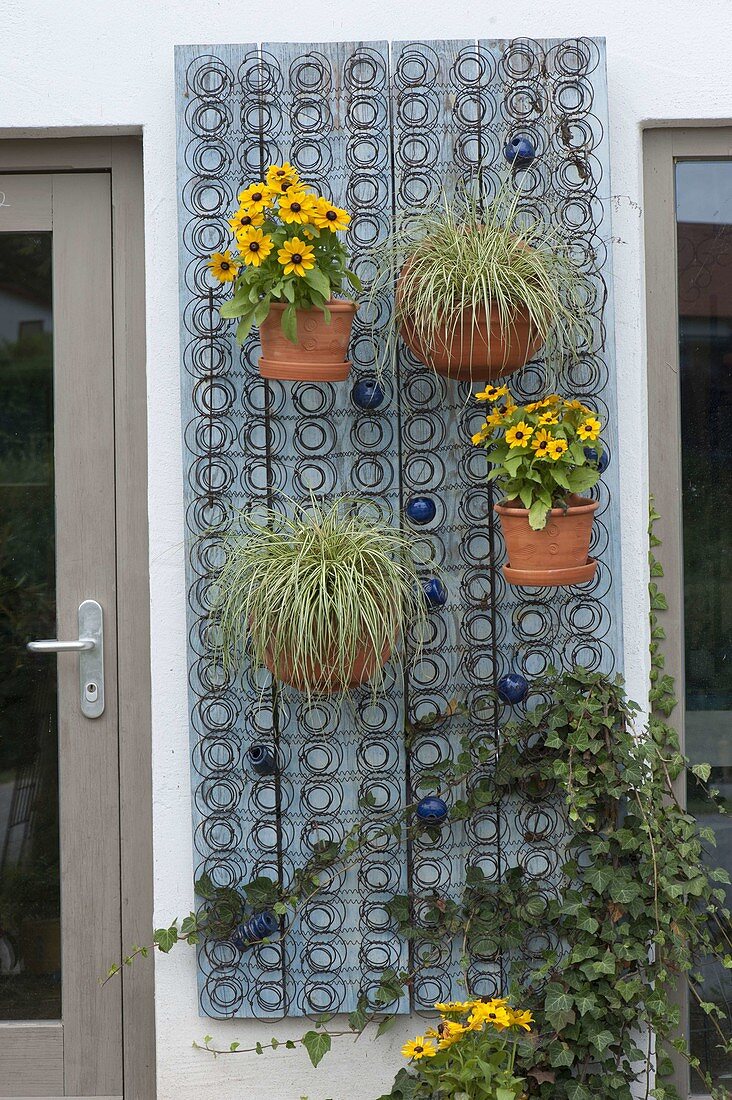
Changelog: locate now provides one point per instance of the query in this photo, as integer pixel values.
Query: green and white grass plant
(306, 592)
(469, 253)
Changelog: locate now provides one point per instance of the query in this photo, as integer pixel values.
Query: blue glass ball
(435, 592)
(367, 394)
(262, 759)
(519, 152)
(259, 927)
(432, 810)
(421, 510)
(513, 688)
(601, 460)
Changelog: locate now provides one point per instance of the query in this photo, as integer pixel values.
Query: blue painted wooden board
(382, 130)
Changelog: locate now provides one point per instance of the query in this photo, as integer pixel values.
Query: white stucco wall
(92, 64)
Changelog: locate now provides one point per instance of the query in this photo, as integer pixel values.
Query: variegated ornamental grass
(469, 253)
(309, 590)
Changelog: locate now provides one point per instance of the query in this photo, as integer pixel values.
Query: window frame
(663, 147)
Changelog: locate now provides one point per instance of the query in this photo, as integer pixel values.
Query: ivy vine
(639, 909)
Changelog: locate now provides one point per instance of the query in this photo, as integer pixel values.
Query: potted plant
(320, 597)
(470, 1054)
(543, 456)
(483, 287)
(286, 268)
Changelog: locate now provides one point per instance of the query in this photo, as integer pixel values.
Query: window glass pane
(30, 954)
(704, 236)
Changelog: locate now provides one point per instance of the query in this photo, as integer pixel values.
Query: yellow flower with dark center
(245, 219)
(281, 177)
(328, 216)
(492, 393)
(482, 434)
(589, 429)
(495, 419)
(521, 1019)
(255, 197)
(254, 246)
(540, 443)
(420, 1048)
(296, 257)
(223, 267)
(519, 435)
(449, 1032)
(297, 207)
(497, 1016)
(509, 408)
(454, 1006)
(548, 417)
(557, 448)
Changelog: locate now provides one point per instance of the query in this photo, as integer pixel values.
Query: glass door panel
(30, 940)
(704, 249)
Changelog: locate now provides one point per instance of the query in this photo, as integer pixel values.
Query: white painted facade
(84, 66)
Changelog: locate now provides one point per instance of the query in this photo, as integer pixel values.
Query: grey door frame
(121, 157)
(663, 146)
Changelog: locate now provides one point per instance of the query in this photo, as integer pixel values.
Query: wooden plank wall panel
(381, 130)
(442, 108)
(330, 121)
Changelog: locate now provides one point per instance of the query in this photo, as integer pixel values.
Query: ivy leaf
(558, 1009)
(317, 1044)
(702, 771)
(599, 878)
(166, 938)
(602, 1041)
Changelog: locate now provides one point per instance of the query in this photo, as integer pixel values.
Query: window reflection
(30, 964)
(704, 240)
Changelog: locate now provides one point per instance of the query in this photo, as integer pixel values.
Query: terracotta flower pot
(321, 350)
(556, 555)
(476, 349)
(326, 681)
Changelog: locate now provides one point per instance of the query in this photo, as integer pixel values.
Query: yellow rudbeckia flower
(328, 216)
(255, 197)
(449, 1032)
(557, 448)
(521, 1019)
(482, 434)
(454, 1006)
(245, 218)
(589, 429)
(281, 177)
(519, 435)
(254, 246)
(223, 267)
(492, 393)
(296, 207)
(577, 405)
(548, 418)
(296, 257)
(497, 1016)
(540, 443)
(420, 1048)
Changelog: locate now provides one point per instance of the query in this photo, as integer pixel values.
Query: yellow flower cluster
(460, 1018)
(282, 199)
(537, 418)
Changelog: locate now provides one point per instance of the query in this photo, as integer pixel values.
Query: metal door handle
(90, 647)
(52, 645)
